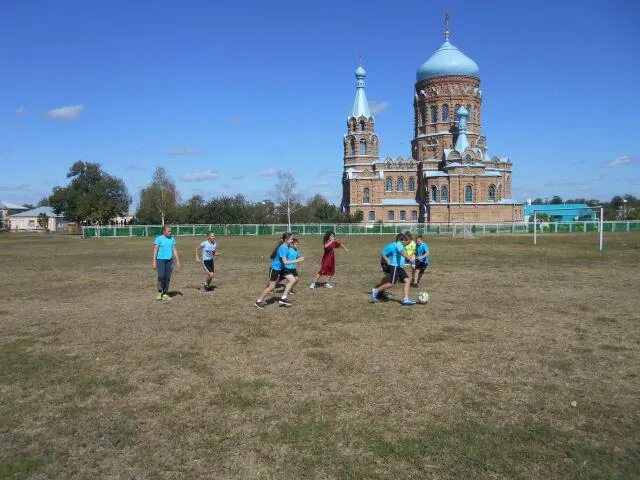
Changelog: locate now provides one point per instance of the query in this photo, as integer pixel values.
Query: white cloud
(235, 119)
(200, 176)
(270, 172)
(377, 107)
(14, 187)
(65, 113)
(21, 111)
(183, 151)
(623, 160)
(320, 183)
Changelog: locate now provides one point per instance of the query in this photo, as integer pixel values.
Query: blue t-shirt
(399, 258)
(277, 264)
(293, 254)
(165, 247)
(392, 252)
(421, 250)
(208, 250)
(389, 251)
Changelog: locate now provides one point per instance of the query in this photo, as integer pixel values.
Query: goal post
(599, 209)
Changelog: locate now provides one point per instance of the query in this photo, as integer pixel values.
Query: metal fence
(360, 229)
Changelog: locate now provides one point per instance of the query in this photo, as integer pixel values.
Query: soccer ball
(423, 297)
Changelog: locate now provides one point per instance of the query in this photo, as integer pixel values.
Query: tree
(556, 200)
(44, 202)
(287, 194)
(43, 221)
(92, 195)
(159, 201)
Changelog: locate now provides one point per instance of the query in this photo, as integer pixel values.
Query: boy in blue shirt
(393, 258)
(164, 251)
(422, 260)
(290, 268)
(278, 262)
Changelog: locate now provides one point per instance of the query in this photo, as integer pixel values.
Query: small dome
(361, 72)
(462, 111)
(447, 60)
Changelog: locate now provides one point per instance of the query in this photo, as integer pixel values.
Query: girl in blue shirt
(278, 261)
(164, 251)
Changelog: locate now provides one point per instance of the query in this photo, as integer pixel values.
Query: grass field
(99, 380)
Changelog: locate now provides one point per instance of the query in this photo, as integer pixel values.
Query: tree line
(94, 196)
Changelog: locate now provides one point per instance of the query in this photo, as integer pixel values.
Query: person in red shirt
(328, 264)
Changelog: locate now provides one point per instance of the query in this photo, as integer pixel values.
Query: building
(29, 220)
(6, 209)
(450, 176)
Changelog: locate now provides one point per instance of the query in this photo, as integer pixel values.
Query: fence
(360, 229)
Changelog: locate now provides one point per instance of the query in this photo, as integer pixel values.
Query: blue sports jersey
(389, 251)
(420, 251)
(208, 250)
(165, 247)
(400, 259)
(276, 263)
(293, 254)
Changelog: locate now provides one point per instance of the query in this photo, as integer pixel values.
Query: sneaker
(374, 296)
(292, 292)
(166, 298)
(285, 302)
(159, 296)
(408, 301)
(259, 305)
(313, 285)
(328, 285)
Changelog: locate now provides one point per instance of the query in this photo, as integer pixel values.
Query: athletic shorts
(274, 275)
(208, 266)
(290, 271)
(397, 274)
(421, 266)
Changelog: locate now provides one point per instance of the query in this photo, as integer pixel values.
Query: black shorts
(208, 266)
(421, 266)
(274, 275)
(397, 274)
(289, 271)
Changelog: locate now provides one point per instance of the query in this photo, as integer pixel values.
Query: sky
(225, 94)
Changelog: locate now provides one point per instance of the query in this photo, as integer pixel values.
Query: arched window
(425, 114)
(400, 184)
(468, 194)
(492, 193)
(434, 114)
(470, 113)
(444, 194)
(455, 110)
(434, 193)
(362, 125)
(390, 216)
(363, 147)
(389, 166)
(365, 195)
(412, 184)
(388, 185)
(499, 192)
(414, 215)
(353, 146)
(372, 216)
(445, 112)
(403, 215)
(467, 159)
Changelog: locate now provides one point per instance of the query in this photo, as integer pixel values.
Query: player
(278, 261)
(328, 264)
(423, 257)
(394, 255)
(209, 250)
(164, 251)
(411, 251)
(291, 268)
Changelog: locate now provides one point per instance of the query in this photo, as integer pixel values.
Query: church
(450, 176)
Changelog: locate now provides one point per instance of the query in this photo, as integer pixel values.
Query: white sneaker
(328, 285)
(313, 285)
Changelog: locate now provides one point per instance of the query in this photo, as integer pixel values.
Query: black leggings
(164, 273)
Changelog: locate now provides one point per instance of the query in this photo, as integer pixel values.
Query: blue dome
(447, 60)
(360, 72)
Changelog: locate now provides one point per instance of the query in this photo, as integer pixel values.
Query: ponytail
(284, 238)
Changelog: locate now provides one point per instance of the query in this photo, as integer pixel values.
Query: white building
(29, 220)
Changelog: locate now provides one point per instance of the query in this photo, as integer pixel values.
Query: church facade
(449, 176)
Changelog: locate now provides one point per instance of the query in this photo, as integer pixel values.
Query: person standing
(164, 251)
(209, 249)
(328, 264)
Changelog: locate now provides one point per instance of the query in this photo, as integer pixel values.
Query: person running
(411, 251)
(209, 250)
(422, 260)
(328, 264)
(291, 268)
(278, 262)
(164, 251)
(394, 254)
